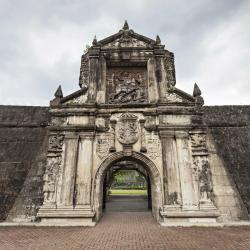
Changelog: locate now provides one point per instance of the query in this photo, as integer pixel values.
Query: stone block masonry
(23, 146)
(23, 142)
(229, 127)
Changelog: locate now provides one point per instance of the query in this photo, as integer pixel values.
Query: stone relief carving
(128, 131)
(205, 182)
(84, 72)
(198, 140)
(201, 170)
(126, 41)
(50, 178)
(172, 97)
(55, 143)
(170, 69)
(153, 146)
(78, 100)
(126, 86)
(173, 199)
(53, 165)
(103, 146)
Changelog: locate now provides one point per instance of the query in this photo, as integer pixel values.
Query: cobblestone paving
(127, 230)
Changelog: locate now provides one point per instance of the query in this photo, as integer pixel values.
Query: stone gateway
(128, 109)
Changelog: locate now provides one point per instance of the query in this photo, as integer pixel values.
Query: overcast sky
(41, 43)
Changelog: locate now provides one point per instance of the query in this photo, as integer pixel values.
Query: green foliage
(129, 179)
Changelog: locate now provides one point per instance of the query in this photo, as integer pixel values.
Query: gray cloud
(41, 43)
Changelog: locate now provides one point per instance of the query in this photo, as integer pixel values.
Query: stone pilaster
(93, 73)
(170, 170)
(84, 170)
(143, 139)
(202, 170)
(112, 143)
(101, 86)
(69, 170)
(153, 95)
(161, 77)
(189, 199)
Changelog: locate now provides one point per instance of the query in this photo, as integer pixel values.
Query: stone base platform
(66, 216)
(181, 217)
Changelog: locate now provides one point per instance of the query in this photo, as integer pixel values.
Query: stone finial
(58, 96)
(197, 95)
(59, 93)
(94, 41)
(125, 26)
(197, 91)
(158, 40)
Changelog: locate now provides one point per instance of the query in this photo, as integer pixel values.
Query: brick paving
(127, 230)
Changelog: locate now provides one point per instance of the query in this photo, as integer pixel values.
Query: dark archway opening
(126, 188)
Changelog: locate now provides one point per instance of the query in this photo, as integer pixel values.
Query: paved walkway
(126, 230)
(127, 203)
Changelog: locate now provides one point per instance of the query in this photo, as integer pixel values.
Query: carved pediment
(126, 38)
(125, 41)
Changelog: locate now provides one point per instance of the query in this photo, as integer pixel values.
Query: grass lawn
(128, 192)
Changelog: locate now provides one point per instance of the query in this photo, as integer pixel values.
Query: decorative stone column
(94, 52)
(201, 170)
(69, 170)
(84, 171)
(189, 200)
(171, 176)
(101, 83)
(74, 188)
(160, 74)
(53, 169)
(153, 95)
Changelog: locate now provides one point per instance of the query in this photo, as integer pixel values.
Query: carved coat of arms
(103, 145)
(128, 132)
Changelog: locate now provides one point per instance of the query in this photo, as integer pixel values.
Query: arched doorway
(147, 165)
(127, 188)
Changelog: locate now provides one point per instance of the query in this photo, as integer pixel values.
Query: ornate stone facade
(131, 111)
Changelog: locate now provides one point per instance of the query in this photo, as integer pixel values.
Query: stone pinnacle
(125, 26)
(58, 93)
(197, 91)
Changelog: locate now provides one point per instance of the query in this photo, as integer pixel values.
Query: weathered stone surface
(23, 143)
(230, 128)
(22, 155)
(56, 159)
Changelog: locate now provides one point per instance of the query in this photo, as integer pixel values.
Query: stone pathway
(126, 230)
(127, 203)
